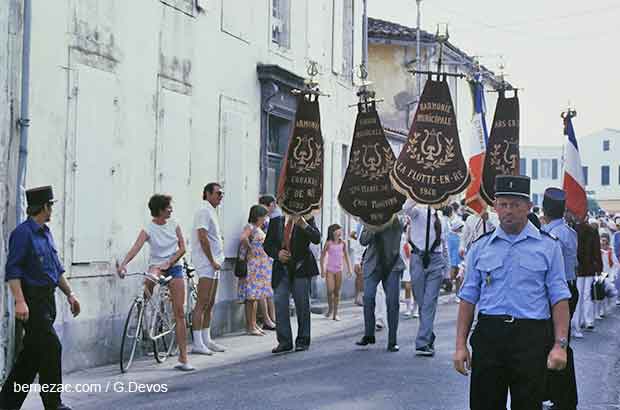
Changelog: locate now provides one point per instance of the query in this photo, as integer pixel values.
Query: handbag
(598, 289)
(241, 264)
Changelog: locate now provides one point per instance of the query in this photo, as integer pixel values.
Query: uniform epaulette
(483, 235)
(555, 238)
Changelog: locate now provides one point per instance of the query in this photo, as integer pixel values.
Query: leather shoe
(366, 340)
(61, 406)
(393, 348)
(281, 349)
(301, 347)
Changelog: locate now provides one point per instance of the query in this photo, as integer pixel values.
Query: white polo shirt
(206, 217)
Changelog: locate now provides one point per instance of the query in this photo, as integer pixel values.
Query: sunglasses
(220, 193)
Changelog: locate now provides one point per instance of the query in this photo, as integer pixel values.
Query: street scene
(309, 204)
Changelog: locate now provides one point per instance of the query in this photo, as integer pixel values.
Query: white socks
(197, 334)
(206, 335)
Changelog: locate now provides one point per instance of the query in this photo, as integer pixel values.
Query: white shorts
(406, 276)
(207, 272)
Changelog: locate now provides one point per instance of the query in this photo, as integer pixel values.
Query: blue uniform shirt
(517, 277)
(568, 243)
(33, 257)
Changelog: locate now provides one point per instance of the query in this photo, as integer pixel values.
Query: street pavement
(334, 374)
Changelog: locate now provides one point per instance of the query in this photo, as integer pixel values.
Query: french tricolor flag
(574, 181)
(479, 138)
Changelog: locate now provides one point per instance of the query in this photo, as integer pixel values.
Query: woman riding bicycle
(167, 246)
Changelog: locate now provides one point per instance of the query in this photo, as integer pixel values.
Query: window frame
(286, 25)
(605, 176)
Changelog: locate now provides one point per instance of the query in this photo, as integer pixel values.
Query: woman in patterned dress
(252, 288)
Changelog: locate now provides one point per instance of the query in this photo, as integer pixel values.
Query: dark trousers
(391, 286)
(300, 288)
(41, 352)
(508, 357)
(562, 386)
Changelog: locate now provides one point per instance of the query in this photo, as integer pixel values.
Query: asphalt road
(335, 374)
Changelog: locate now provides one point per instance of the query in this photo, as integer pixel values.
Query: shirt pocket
(491, 269)
(533, 269)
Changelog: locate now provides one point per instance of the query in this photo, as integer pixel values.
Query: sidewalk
(146, 374)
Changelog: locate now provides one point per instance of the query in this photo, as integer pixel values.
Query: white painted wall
(135, 97)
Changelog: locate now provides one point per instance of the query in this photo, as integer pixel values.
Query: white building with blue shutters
(543, 164)
(600, 159)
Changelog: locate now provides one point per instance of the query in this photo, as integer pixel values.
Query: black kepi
(40, 195)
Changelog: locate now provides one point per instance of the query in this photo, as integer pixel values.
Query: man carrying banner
(427, 271)
(515, 276)
(288, 239)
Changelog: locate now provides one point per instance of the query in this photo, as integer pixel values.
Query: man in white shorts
(207, 257)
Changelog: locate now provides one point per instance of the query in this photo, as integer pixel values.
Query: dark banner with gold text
(502, 153)
(300, 186)
(367, 192)
(431, 167)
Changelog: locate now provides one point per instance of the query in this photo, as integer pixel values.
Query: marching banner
(479, 136)
(367, 192)
(574, 181)
(300, 186)
(431, 166)
(502, 153)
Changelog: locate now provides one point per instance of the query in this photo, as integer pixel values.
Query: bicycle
(191, 296)
(149, 318)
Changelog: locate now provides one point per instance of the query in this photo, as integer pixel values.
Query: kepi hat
(40, 196)
(512, 185)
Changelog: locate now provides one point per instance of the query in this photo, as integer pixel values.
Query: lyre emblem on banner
(502, 160)
(431, 154)
(371, 164)
(306, 155)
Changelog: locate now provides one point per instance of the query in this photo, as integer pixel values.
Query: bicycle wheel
(164, 337)
(132, 334)
(192, 298)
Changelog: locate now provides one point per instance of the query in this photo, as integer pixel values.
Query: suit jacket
(588, 250)
(302, 263)
(382, 254)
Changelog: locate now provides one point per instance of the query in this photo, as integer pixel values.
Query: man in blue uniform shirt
(562, 386)
(33, 271)
(515, 275)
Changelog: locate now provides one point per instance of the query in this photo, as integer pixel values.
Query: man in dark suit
(288, 244)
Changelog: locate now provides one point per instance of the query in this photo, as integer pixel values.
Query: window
(585, 175)
(343, 38)
(347, 40)
(535, 199)
(277, 143)
(545, 168)
(522, 166)
(605, 175)
(554, 169)
(605, 145)
(280, 23)
(534, 169)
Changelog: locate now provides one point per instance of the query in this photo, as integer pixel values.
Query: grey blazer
(387, 240)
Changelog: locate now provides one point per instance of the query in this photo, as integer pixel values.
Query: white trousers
(584, 313)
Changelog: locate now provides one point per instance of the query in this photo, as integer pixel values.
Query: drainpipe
(24, 118)
(7, 324)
